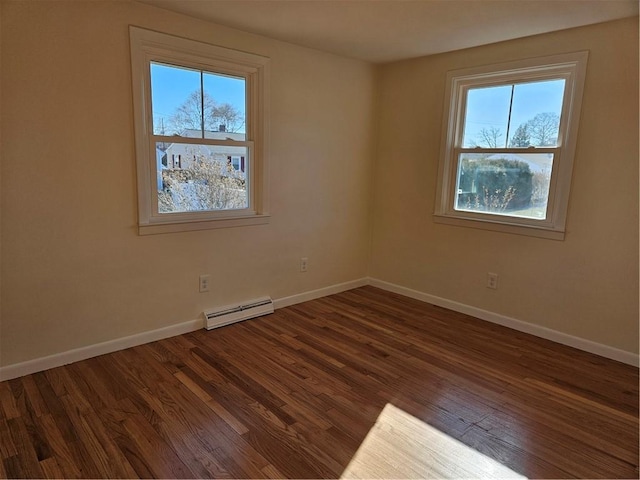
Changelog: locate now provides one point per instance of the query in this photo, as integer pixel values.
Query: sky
(170, 87)
(486, 107)
(489, 107)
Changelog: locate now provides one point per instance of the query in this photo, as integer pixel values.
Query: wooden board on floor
(361, 384)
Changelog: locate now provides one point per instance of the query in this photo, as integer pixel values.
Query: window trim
(148, 46)
(571, 67)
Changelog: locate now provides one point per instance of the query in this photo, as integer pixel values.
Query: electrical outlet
(204, 283)
(492, 280)
(303, 264)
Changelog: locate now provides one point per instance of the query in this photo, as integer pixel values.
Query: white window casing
(149, 46)
(572, 68)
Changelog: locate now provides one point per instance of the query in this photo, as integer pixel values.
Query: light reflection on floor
(400, 445)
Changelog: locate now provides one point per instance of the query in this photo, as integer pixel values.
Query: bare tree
(489, 137)
(227, 115)
(199, 111)
(543, 129)
(189, 115)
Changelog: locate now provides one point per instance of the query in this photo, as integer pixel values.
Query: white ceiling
(386, 30)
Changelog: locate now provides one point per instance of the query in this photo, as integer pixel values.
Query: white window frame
(147, 47)
(239, 159)
(572, 68)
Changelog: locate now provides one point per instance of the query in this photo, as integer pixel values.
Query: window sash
(465, 85)
(504, 218)
(175, 217)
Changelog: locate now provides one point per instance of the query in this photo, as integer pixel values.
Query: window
(237, 163)
(200, 131)
(509, 136)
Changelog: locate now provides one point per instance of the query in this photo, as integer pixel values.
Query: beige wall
(586, 285)
(74, 270)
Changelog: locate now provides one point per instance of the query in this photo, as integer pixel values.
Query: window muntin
(509, 134)
(196, 106)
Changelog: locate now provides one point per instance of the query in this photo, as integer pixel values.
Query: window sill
(227, 222)
(531, 231)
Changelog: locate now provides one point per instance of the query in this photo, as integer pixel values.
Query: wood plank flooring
(295, 394)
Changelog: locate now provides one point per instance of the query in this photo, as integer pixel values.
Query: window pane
(504, 184)
(535, 116)
(175, 101)
(487, 117)
(514, 115)
(192, 177)
(224, 105)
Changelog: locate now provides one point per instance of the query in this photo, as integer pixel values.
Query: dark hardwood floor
(294, 394)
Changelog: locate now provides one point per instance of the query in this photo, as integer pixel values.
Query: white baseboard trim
(70, 356)
(64, 358)
(319, 293)
(522, 326)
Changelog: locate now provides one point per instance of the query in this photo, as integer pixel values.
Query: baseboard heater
(222, 316)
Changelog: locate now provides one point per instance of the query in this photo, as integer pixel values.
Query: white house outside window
(200, 130)
(509, 136)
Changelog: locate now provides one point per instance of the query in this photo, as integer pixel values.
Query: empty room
(319, 239)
